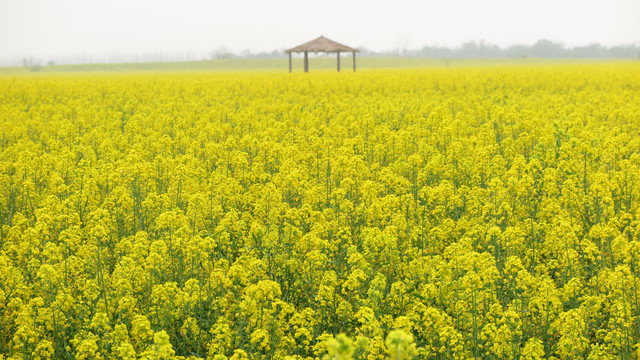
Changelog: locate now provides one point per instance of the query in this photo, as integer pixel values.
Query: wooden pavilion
(321, 44)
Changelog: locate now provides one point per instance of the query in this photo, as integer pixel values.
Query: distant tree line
(541, 49)
(473, 49)
(480, 49)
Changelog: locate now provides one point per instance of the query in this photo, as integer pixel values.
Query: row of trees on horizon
(541, 49)
(472, 49)
(482, 49)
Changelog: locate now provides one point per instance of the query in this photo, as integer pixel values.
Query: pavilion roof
(321, 44)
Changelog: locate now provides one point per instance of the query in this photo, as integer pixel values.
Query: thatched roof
(321, 44)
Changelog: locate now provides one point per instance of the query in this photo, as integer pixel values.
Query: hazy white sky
(47, 28)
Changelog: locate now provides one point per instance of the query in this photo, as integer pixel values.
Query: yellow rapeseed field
(445, 213)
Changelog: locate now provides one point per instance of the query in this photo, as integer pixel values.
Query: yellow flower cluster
(458, 213)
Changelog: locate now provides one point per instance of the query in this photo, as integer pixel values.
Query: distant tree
(438, 52)
(547, 49)
(31, 64)
(517, 51)
(479, 49)
(590, 51)
(221, 53)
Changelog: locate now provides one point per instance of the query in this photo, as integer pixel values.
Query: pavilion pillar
(306, 62)
(338, 60)
(289, 62)
(354, 61)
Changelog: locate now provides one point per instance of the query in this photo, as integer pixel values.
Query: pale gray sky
(48, 29)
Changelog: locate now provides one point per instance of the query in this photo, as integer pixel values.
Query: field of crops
(444, 213)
